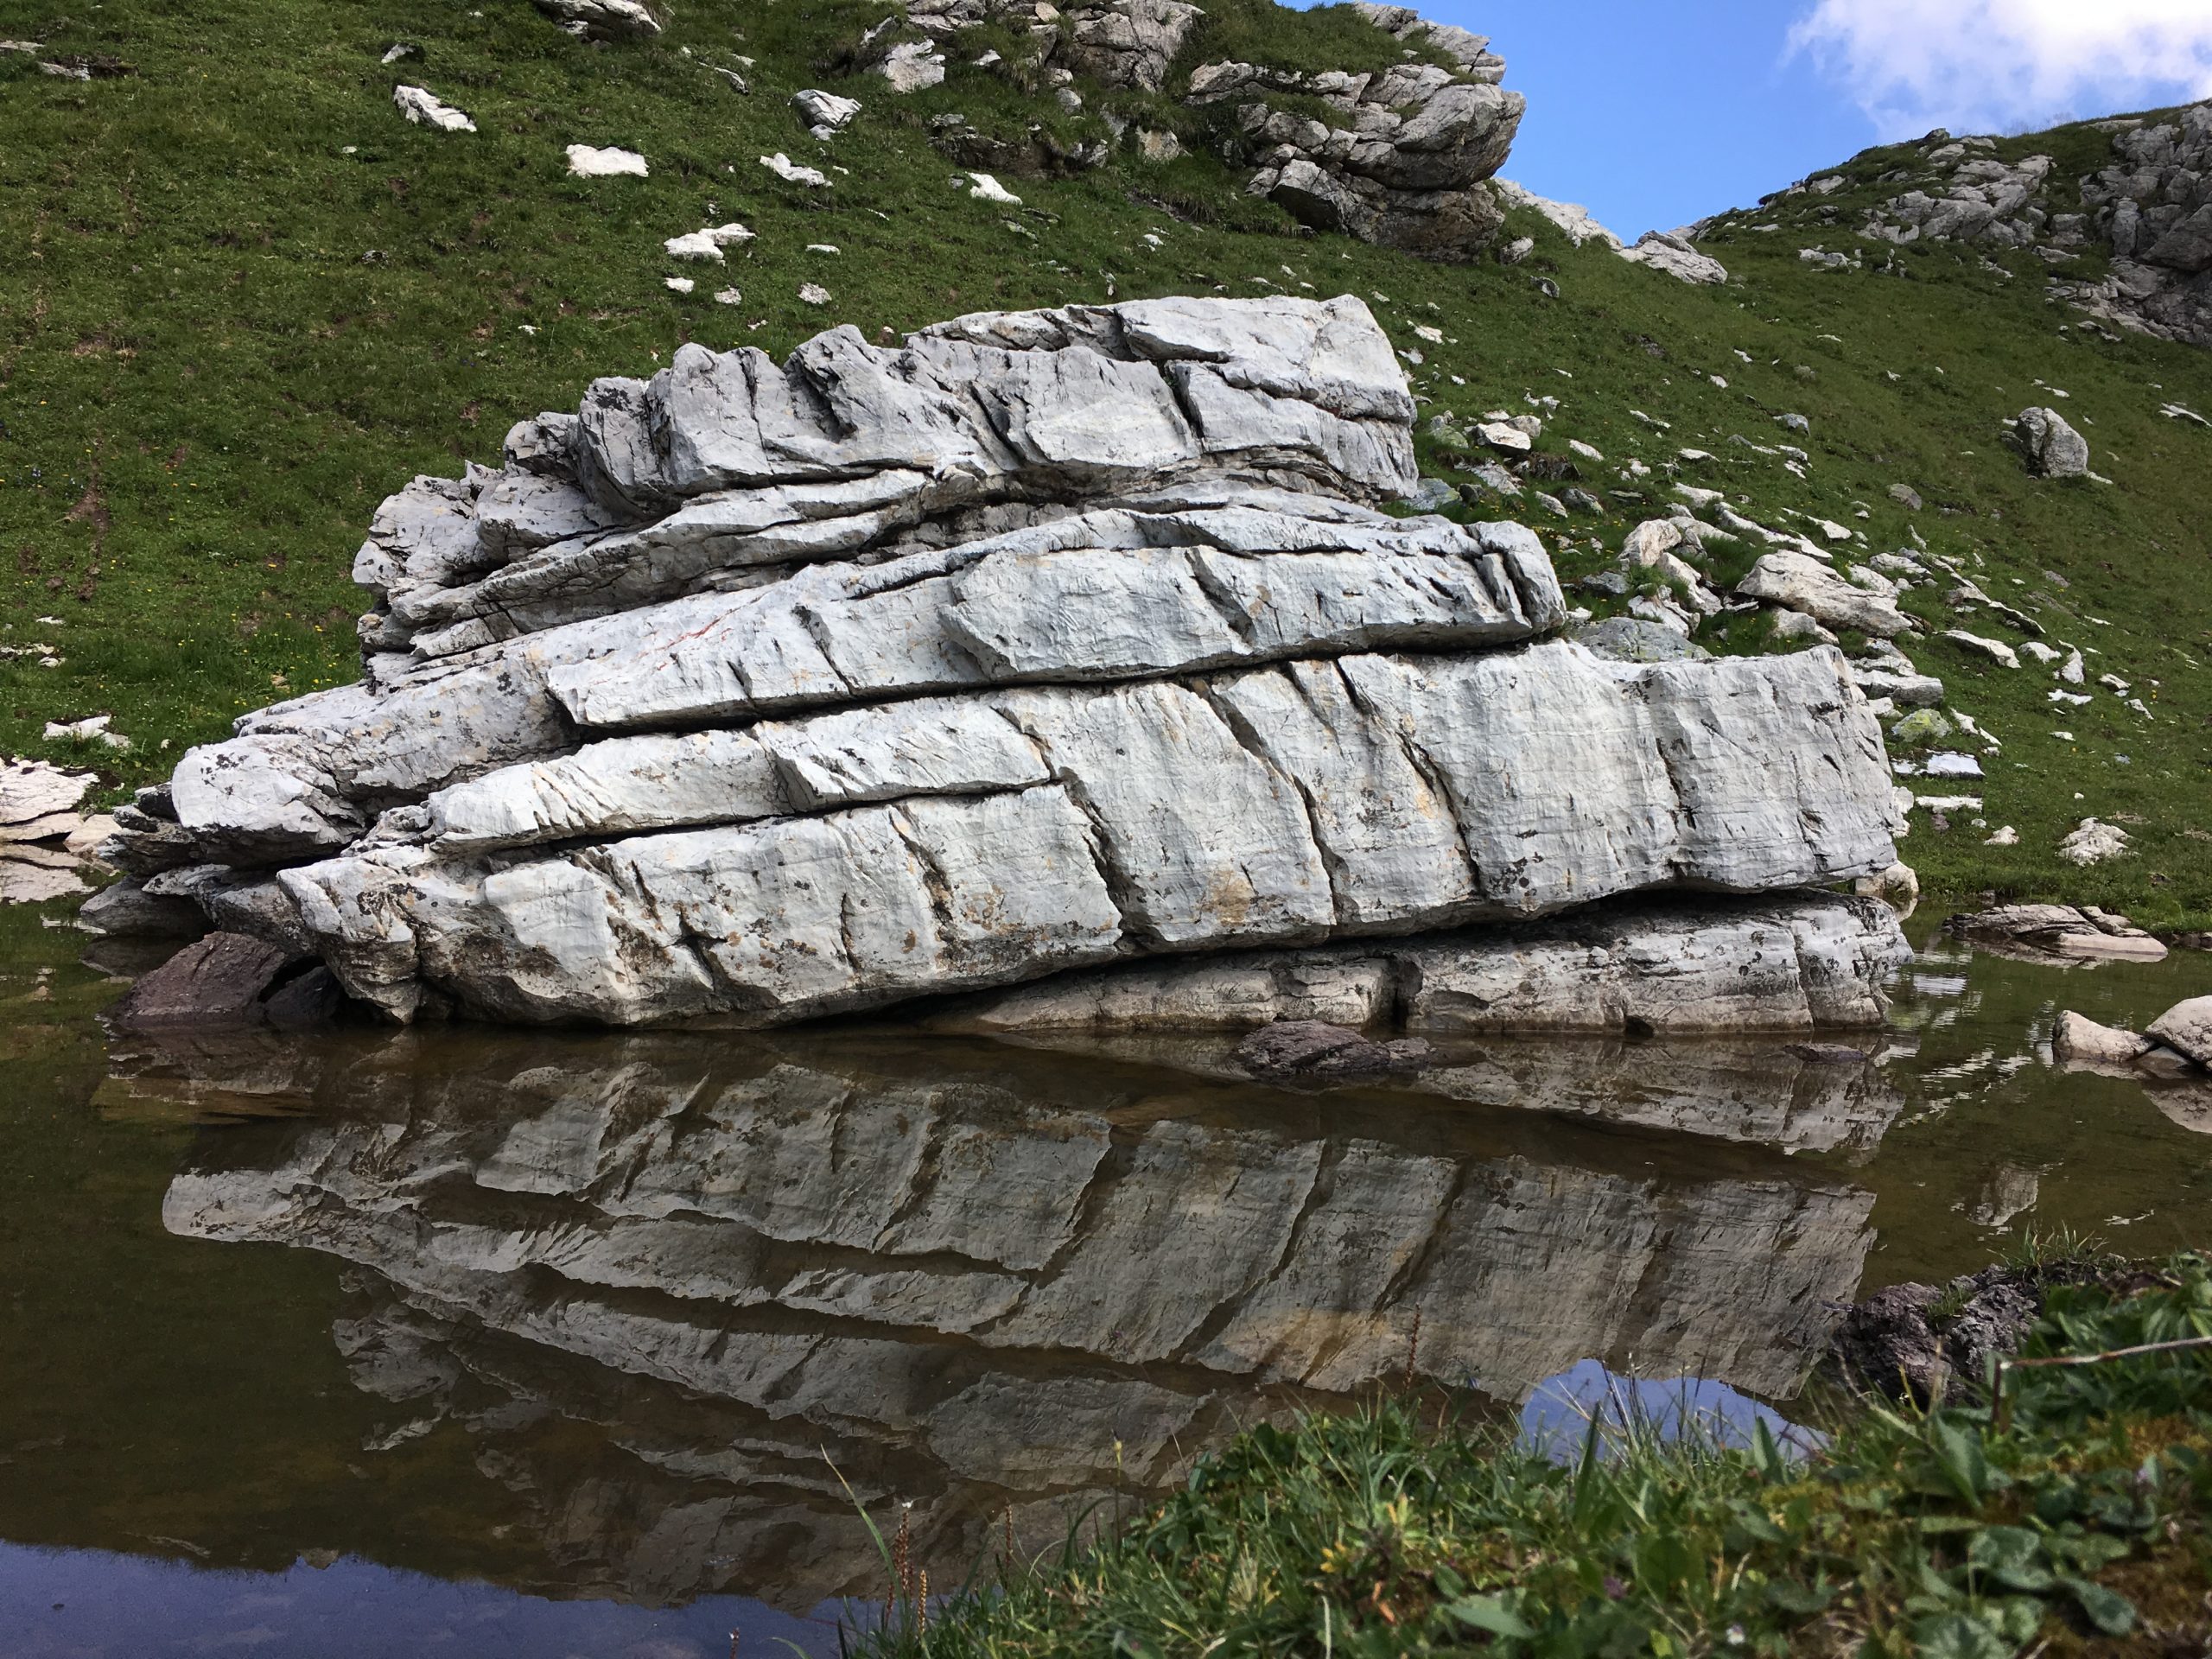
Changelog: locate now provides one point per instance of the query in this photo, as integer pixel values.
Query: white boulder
(585, 162)
(426, 109)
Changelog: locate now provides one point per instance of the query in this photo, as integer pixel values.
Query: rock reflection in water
(979, 1277)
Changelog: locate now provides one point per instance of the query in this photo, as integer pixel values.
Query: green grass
(2071, 1521)
(223, 338)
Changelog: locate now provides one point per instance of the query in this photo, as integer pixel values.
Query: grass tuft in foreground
(2067, 1516)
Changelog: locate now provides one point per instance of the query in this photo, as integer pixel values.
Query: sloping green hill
(242, 300)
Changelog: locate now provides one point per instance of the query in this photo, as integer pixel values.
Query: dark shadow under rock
(230, 979)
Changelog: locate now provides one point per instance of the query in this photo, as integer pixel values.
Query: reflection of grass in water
(2077, 1513)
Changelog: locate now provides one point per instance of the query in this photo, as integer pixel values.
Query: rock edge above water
(757, 692)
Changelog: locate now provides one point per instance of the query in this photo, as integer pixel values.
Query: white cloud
(1980, 66)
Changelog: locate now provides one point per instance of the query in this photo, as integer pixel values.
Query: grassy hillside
(242, 300)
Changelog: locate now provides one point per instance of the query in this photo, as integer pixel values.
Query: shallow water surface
(494, 1343)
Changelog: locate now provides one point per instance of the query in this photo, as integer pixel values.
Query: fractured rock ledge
(754, 693)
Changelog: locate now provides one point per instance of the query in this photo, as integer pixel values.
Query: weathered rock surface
(1812, 587)
(41, 832)
(2187, 1029)
(1673, 252)
(2054, 449)
(32, 790)
(602, 19)
(426, 109)
(1408, 161)
(222, 979)
(1893, 1344)
(2041, 932)
(966, 1276)
(1795, 964)
(2151, 209)
(1040, 642)
(2077, 1038)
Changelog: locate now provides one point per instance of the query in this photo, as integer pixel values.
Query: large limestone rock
(1040, 642)
(1793, 965)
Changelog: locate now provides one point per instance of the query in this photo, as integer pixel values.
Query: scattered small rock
(785, 169)
(1995, 649)
(585, 162)
(94, 729)
(426, 109)
(2092, 842)
(2054, 448)
(1897, 886)
(706, 244)
(1674, 255)
(826, 114)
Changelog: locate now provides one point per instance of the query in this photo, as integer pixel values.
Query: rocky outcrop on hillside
(1039, 642)
(1406, 164)
(2152, 209)
(979, 1281)
(1125, 43)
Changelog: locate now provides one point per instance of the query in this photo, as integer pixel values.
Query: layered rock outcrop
(2151, 208)
(978, 1279)
(1407, 165)
(1042, 641)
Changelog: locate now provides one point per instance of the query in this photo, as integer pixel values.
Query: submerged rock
(1039, 642)
(1309, 1048)
(2046, 931)
(2077, 1038)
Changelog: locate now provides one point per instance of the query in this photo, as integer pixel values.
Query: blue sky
(1656, 112)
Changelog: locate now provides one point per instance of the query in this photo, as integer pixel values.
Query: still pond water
(543, 1345)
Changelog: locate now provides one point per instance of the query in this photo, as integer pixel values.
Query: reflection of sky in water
(1556, 1419)
(132, 1607)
